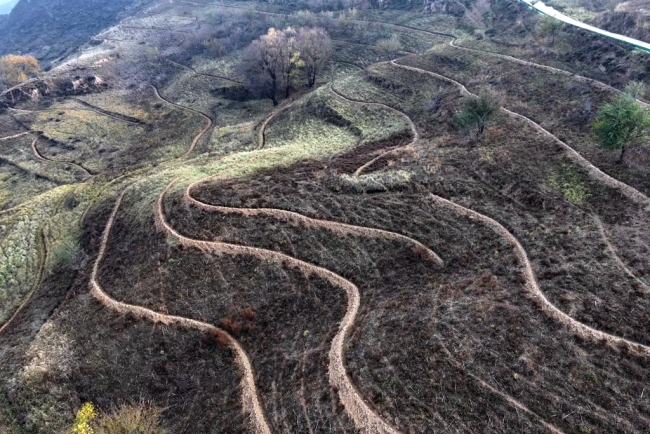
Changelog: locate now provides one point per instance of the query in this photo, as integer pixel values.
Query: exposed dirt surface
(493, 275)
(261, 310)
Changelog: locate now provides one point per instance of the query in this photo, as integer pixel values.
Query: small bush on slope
(621, 124)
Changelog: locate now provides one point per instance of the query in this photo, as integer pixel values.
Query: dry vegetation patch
(562, 105)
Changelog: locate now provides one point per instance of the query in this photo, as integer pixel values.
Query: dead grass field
(462, 346)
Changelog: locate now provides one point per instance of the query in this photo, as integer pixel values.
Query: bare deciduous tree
(272, 62)
(314, 46)
(390, 46)
(264, 64)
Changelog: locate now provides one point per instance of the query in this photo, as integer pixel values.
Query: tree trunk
(311, 77)
(274, 90)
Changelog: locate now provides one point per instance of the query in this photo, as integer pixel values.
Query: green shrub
(621, 124)
(478, 112)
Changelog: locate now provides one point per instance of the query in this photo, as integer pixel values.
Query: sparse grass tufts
(570, 183)
(375, 182)
(130, 419)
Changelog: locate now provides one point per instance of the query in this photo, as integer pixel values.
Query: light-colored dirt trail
(614, 253)
(509, 399)
(362, 231)
(343, 228)
(208, 121)
(117, 116)
(363, 416)
(205, 74)
(300, 219)
(627, 190)
(286, 105)
(41, 157)
(250, 399)
(412, 127)
(87, 108)
(15, 136)
(554, 70)
(534, 291)
(155, 29)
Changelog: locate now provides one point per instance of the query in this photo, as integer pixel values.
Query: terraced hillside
(348, 261)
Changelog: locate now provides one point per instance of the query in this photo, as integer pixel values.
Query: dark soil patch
(351, 160)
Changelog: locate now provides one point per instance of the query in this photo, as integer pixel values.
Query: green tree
(549, 26)
(478, 112)
(621, 124)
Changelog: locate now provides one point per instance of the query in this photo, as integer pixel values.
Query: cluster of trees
(274, 61)
(620, 124)
(15, 69)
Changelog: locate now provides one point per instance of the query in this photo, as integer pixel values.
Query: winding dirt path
(414, 130)
(364, 417)
(509, 399)
(424, 252)
(87, 108)
(41, 157)
(208, 121)
(250, 399)
(552, 69)
(534, 290)
(261, 138)
(614, 253)
(15, 136)
(300, 219)
(110, 114)
(578, 159)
